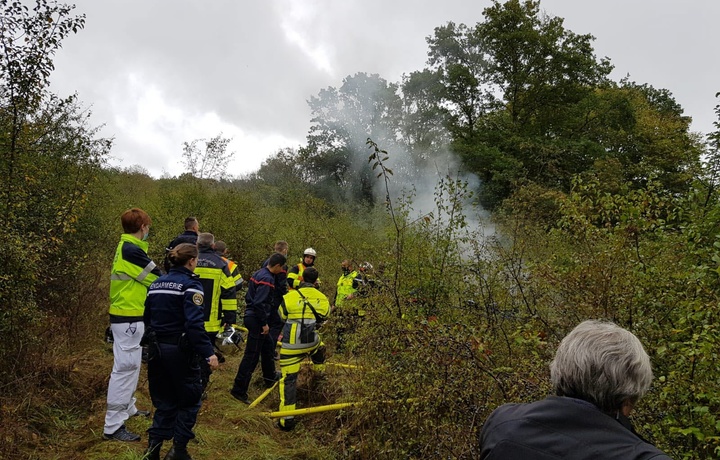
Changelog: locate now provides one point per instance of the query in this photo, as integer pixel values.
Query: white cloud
(160, 73)
(156, 128)
(295, 19)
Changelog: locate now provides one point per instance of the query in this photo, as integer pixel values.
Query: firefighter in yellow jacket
(295, 273)
(303, 310)
(220, 301)
(347, 284)
(222, 249)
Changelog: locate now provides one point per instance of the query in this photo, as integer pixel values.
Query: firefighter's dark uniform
(281, 288)
(301, 310)
(174, 313)
(220, 304)
(258, 300)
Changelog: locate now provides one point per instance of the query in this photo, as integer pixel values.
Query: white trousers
(125, 373)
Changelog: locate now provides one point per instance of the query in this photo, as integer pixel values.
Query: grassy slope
(226, 428)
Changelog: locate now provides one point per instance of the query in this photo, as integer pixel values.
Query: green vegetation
(604, 206)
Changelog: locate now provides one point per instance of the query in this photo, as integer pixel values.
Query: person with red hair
(132, 273)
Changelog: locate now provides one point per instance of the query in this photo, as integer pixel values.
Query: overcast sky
(158, 73)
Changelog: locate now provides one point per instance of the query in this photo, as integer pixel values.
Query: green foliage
(491, 311)
(526, 100)
(281, 170)
(609, 214)
(423, 122)
(428, 333)
(49, 159)
(648, 260)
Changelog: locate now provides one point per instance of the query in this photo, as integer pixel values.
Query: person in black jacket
(259, 303)
(178, 342)
(281, 288)
(190, 235)
(600, 372)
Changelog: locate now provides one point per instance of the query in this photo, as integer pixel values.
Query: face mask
(146, 235)
(345, 270)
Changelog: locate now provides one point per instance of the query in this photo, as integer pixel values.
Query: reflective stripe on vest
(129, 282)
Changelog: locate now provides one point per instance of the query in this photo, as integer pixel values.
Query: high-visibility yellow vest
(130, 279)
(296, 277)
(296, 311)
(234, 273)
(345, 287)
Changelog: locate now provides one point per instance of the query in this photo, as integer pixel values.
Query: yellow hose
(347, 366)
(329, 407)
(312, 410)
(269, 390)
(263, 396)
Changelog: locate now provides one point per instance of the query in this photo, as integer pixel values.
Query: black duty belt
(173, 339)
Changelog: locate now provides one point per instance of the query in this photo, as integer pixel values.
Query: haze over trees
(605, 206)
(518, 98)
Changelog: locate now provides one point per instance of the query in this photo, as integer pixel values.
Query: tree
(424, 122)
(212, 162)
(712, 170)
(528, 102)
(29, 41)
(642, 130)
(537, 65)
(281, 169)
(511, 87)
(49, 156)
(343, 118)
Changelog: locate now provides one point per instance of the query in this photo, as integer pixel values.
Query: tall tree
(541, 72)
(528, 101)
(281, 169)
(424, 122)
(643, 131)
(457, 60)
(537, 65)
(28, 113)
(343, 119)
(49, 155)
(210, 162)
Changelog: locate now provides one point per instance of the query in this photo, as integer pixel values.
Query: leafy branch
(377, 158)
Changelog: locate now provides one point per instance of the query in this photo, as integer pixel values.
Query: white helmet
(310, 252)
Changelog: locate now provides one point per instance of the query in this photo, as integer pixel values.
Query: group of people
(283, 303)
(178, 315)
(599, 373)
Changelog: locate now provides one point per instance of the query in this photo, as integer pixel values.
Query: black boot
(153, 450)
(287, 423)
(178, 452)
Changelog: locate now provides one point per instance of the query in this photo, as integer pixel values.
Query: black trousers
(175, 390)
(259, 347)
